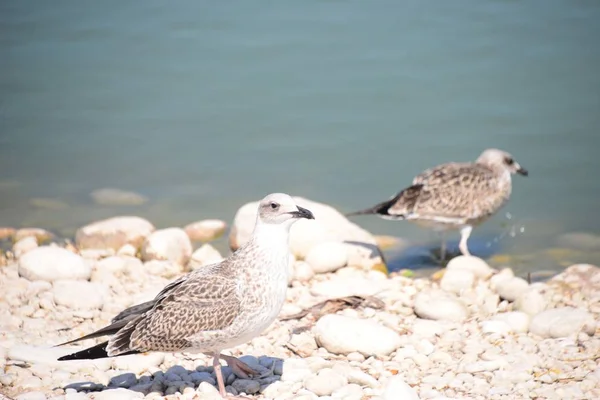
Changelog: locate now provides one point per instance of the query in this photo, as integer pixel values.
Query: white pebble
(457, 280)
(325, 382)
(512, 288)
(49, 263)
(562, 322)
(440, 305)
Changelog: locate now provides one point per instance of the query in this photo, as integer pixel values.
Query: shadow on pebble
(177, 378)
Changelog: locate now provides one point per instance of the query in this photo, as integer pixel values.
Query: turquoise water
(203, 106)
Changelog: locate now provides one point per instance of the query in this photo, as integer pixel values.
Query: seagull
(454, 196)
(216, 307)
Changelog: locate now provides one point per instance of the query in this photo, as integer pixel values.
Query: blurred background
(200, 107)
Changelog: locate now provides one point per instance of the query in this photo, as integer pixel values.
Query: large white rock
(440, 305)
(329, 225)
(396, 389)
(562, 322)
(339, 334)
(205, 255)
(171, 244)
(205, 230)
(24, 245)
(49, 263)
(79, 295)
(474, 264)
(327, 257)
(456, 280)
(517, 321)
(114, 233)
(512, 288)
(531, 302)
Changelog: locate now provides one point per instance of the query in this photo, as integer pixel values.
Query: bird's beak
(302, 213)
(522, 171)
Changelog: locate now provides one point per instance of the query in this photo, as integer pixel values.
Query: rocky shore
(347, 331)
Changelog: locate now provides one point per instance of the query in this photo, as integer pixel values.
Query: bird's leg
(465, 232)
(238, 367)
(443, 247)
(220, 381)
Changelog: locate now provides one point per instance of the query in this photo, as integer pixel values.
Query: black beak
(522, 171)
(302, 213)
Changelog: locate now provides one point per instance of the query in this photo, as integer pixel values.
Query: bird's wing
(203, 302)
(454, 191)
(129, 314)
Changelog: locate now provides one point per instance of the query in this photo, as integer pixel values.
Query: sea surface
(202, 106)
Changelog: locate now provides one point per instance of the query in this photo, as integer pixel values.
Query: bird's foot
(239, 368)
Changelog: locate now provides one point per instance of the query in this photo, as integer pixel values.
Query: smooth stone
(205, 255)
(123, 380)
(327, 257)
(396, 389)
(531, 302)
(504, 274)
(31, 396)
(427, 328)
(114, 233)
(493, 326)
(349, 286)
(119, 264)
(81, 295)
(40, 234)
(24, 245)
(205, 230)
(49, 263)
(117, 197)
(118, 394)
(512, 288)
(166, 269)
(247, 386)
(517, 321)
(457, 280)
(562, 322)
(476, 265)
(325, 382)
(342, 335)
(303, 272)
(171, 244)
(440, 305)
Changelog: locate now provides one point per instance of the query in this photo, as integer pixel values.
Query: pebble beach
(349, 330)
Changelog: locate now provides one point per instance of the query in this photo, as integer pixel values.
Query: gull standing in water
(454, 196)
(216, 307)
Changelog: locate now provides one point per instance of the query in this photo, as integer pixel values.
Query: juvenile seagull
(216, 307)
(454, 196)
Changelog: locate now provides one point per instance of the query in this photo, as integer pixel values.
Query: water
(202, 106)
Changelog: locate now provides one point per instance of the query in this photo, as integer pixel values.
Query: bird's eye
(509, 161)
(274, 206)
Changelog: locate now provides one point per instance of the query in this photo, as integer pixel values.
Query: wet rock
(247, 386)
(114, 233)
(171, 244)
(53, 263)
(40, 234)
(24, 245)
(117, 197)
(205, 230)
(342, 335)
(476, 265)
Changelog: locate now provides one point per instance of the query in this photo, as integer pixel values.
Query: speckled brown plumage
(217, 306)
(454, 195)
